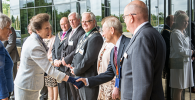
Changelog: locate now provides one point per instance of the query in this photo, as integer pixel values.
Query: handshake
(78, 82)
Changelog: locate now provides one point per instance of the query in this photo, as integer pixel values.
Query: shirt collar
(76, 28)
(89, 32)
(67, 30)
(118, 42)
(139, 27)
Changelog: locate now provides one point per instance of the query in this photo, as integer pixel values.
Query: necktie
(62, 37)
(115, 59)
(71, 34)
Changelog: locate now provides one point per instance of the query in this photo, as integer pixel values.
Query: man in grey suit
(84, 62)
(61, 37)
(120, 41)
(144, 56)
(10, 46)
(68, 51)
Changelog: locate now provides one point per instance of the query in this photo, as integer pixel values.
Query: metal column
(1, 6)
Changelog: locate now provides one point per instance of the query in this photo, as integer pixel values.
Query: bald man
(144, 57)
(57, 55)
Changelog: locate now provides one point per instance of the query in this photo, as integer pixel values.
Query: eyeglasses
(127, 15)
(86, 21)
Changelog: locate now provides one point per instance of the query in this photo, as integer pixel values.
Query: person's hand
(72, 70)
(193, 58)
(5, 99)
(57, 63)
(78, 85)
(69, 66)
(63, 62)
(82, 80)
(115, 93)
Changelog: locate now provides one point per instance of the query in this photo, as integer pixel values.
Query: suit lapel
(60, 43)
(121, 49)
(112, 61)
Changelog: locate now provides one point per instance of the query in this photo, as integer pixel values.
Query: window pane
(73, 7)
(14, 4)
(61, 1)
(15, 17)
(22, 3)
(61, 11)
(30, 3)
(43, 2)
(23, 18)
(96, 9)
(82, 7)
(30, 14)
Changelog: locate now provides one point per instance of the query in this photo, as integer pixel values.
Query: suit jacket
(69, 50)
(58, 46)
(10, 46)
(142, 66)
(166, 35)
(85, 64)
(111, 70)
(33, 64)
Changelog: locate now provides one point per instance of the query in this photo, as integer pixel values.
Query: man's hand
(115, 93)
(57, 63)
(63, 62)
(72, 70)
(82, 80)
(78, 85)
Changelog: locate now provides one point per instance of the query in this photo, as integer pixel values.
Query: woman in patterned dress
(50, 82)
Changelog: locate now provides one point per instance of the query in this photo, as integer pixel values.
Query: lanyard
(83, 40)
(60, 37)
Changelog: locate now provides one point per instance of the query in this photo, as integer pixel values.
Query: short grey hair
(77, 15)
(114, 22)
(4, 20)
(91, 14)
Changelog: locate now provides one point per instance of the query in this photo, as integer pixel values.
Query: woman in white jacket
(181, 76)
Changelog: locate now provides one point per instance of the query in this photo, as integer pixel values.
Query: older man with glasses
(84, 63)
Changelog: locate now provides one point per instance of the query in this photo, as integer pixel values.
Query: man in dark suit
(166, 71)
(84, 62)
(113, 34)
(61, 37)
(144, 56)
(10, 46)
(68, 51)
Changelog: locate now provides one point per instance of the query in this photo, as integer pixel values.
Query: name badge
(81, 51)
(125, 55)
(70, 43)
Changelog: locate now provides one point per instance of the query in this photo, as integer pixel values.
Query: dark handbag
(176, 63)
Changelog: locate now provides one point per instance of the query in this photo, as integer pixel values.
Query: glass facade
(23, 10)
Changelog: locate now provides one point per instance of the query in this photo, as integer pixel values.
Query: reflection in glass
(23, 18)
(15, 17)
(14, 4)
(22, 3)
(61, 1)
(30, 3)
(43, 2)
(61, 11)
(30, 14)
